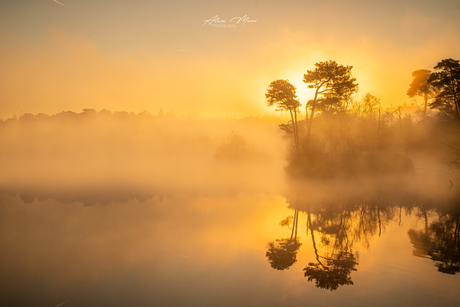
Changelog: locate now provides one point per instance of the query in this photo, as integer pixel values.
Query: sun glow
(304, 93)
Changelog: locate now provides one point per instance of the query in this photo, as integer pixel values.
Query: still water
(228, 249)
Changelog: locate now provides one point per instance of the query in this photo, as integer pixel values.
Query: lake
(184, 212)
(227, 249)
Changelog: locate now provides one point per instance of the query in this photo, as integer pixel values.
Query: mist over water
(101, 208)
(91, 153)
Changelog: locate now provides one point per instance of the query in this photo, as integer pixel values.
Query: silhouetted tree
(446, 245)
(333, 269)
(421, 87)
(441, 242)
(333, 83)
(446, 81)
(335, 273)
(282, 253)
(282, 94)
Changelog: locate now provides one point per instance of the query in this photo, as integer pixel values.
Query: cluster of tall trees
(334, 87)
(337, 123)
(441, 86)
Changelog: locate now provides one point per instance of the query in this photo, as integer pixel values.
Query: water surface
(198, 250)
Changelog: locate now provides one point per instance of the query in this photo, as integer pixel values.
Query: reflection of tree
(342, 220)
(334, 273)
(334, 269)
(282, 254)
(446, 247)
(441, 242)
(336, 222)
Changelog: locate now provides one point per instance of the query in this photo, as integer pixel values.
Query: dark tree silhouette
(445, 249)
(441, 242)
(282, 253)
(335, 273)
(446, 81)
(333, 84)
(334, 269)
(282, 94)
(421, 87)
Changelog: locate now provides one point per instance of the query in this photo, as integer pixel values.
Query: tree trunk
(296, 218)
(294, 130)
(314, 243)
(378, 133)
(454, 88)
(426, 103)
(312, 114)
(294, 225)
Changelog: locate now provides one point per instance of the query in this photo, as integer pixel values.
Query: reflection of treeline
(104, 195)
(440, 239)
(342, 136)
(340, 220)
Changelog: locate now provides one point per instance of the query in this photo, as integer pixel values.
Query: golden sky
(146, 55)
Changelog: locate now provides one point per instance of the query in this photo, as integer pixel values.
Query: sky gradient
(146, 55)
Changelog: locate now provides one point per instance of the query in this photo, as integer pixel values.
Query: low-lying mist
(138, 155)
(101, 157)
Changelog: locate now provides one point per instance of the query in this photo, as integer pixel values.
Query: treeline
(91, 113)
(343, 136)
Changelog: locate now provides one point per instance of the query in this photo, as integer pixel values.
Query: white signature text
(230, 23)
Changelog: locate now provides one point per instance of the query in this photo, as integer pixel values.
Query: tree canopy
(331, 81)
(336, 273)
(446, 80)
(421, 87)
(333, 84)
(282, 94)
(282, 253)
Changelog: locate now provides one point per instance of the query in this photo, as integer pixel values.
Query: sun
(304, 93)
